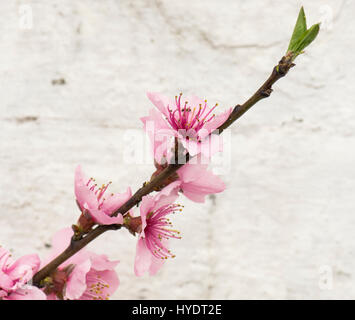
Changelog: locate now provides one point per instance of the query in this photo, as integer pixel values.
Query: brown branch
(264, 91)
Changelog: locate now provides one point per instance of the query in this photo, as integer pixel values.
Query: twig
(263, 92)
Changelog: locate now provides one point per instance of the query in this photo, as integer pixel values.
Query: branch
(264, 91)
(279, 71)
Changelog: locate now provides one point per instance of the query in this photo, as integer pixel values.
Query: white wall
(289, 206)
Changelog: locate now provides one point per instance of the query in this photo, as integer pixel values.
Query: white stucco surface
(287, 217)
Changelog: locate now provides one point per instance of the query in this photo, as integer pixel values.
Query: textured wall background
(288, 213)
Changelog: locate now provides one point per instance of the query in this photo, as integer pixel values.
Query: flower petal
(192, 146)
(190, 172)
(5, 258)
(207, 183)
(160, 101)
(6, 282)
(61, 240)
(109, 283)
(155, 266)
(83, 194)
(24, 268)
(160, 134)
(167, 195)
(76, 284)
(145, 261)
(194, 196)
(194, 101)
(101, 262)
(211, 145)
(215, 123)
(145, 207)
(100, 217)
(112, 203)
(26, 293)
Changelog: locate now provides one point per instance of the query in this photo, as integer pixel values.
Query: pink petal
(80, 177)
(5, 281)
(208, 147)
(100, 217)
(145, 207)
(167, 195)
(24, 267)
(5, 258)
(142, 259)
(190, 172)
(83, 193)
(159, 132)
(76, 284)
(145, 261)
(192, 146)
(108, 277)
(155, 265)
(157, 119)
(194, 101)
(101, 262)
(208, 183)
(27, 293)
(61, 240)
(215, 122)
(160, 101)
(211, 145)
(194, 196)
(112, 203)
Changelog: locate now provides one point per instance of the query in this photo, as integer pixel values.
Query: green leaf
(299, 30)
(301, 37)
(308, 37)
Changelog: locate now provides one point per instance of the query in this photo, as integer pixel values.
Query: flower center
(158, 230)
(97, 287)
(183, 117)
(99, 192)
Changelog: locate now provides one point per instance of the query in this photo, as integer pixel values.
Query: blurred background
(73, 80)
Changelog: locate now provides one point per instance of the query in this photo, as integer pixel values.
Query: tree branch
(264, 91)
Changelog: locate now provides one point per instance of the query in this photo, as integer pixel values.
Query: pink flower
(154, 230)
(192, 122)
(85, 276)
(14, 277)
(92, 200)
(194, 180)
